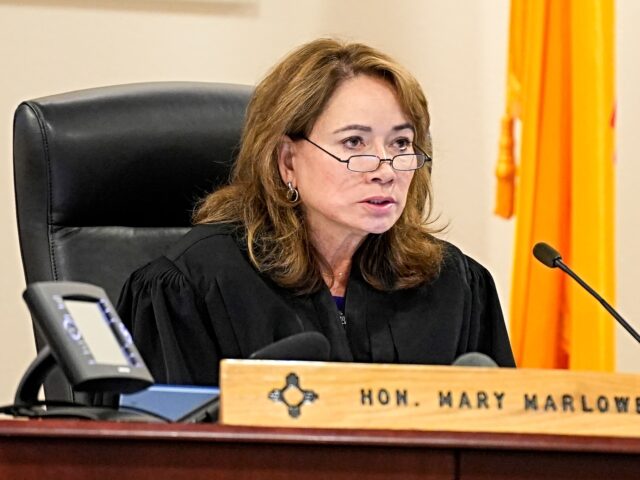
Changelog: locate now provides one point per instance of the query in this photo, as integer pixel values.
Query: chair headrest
(130, 155)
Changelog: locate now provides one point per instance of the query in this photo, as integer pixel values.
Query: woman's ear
(285, 159)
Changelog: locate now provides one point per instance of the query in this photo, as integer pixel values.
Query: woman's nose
(384, 173)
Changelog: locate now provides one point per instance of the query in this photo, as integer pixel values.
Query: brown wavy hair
(288, 102)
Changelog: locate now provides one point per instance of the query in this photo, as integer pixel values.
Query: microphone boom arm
(563, 266)
(549, 256)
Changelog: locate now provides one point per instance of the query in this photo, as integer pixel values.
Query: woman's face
(363, 116)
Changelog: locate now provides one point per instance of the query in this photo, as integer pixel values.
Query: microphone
(546, 254)
(474, 359)
(550, 257)
(306, 346)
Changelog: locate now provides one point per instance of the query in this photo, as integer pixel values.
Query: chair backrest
(107, 178)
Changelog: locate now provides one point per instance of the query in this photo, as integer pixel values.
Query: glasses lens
(408, 161)
(363, 163)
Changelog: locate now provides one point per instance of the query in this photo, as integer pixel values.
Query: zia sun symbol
(292, 395)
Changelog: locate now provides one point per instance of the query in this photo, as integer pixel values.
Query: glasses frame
(428, 160)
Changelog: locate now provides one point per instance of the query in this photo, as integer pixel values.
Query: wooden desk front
(68, 450)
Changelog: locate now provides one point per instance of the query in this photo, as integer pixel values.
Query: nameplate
(413, 397)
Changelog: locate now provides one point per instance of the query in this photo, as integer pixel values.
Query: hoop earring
(292, 193)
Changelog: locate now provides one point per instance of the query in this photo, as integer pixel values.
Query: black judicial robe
(203, 301)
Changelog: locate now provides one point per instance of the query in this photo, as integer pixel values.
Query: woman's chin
(379, 228)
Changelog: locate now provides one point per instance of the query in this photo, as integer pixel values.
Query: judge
(325, 227)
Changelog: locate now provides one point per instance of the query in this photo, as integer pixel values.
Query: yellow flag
(560, 90)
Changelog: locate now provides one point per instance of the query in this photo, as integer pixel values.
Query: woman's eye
(402, 143)
(352, 142)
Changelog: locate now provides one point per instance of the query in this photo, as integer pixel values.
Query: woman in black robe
(324, 227)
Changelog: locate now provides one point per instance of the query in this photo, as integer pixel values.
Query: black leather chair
(106, 178)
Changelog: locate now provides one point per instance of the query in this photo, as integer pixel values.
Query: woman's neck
(338, 277)
(338, 254)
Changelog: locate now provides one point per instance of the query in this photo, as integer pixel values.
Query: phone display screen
(93, 325)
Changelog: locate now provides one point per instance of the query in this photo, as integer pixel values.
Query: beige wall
(456, 48)
(628, 175)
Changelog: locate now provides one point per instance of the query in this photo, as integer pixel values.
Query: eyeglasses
(369, 163)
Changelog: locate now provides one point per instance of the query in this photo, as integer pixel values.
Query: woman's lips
(379, 201)
(379, 204)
